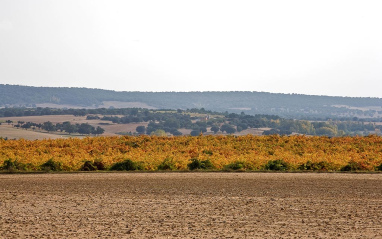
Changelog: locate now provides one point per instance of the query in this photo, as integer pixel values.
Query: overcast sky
(310, 47)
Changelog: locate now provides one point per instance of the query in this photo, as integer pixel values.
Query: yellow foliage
(220, 150)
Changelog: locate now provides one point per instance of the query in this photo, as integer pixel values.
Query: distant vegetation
(291, 106)
(198, 121)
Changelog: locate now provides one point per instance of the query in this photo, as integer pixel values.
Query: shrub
(197, 164)
(126, 165)
(99, 164)
(12, 165)
(167, 164)
(88, 166)
(238, 165)
(93, 166)
(379, 168)
(353, 166)
(309, 165)
(51, 165)
(277, 165)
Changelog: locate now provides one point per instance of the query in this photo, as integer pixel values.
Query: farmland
(191, 205)
(11, 132)
(150, 153)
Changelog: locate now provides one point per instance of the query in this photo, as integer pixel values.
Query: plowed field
(191, 205)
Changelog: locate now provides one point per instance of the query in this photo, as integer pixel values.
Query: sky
(306, 47)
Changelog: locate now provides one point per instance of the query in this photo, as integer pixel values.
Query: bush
(195, 133)
(277, 165)
(238, 165)
(99, 164)
(379, 168)
(88, 166)
(93, 166)
(51, 165)
(12, 165)
(197, 164)
(234, 166)
(126, 165)
(167, 164)
(353, 166)
(309, 165)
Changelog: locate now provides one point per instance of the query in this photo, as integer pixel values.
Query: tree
(48, 126)
(214, 129)
(134, 111)
(203, 129)
(27, 125)
(99, 130)
(326, 130)
(159, 132)
(228, 128)
(69, 128)
(141, 129)
(85, 128)
(195, 133)
(172, 123)
(176, 133)
(241, 126)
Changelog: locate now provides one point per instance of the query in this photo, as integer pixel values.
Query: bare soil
(191, 205)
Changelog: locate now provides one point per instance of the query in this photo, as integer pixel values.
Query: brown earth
(7, 130)
(191, 205)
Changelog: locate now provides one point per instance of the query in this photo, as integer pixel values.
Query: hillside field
(111, 129)
(10, 132)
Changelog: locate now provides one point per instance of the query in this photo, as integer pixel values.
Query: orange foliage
(220, 150)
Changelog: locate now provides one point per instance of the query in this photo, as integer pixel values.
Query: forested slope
(286, 105)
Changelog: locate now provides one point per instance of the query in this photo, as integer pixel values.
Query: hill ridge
(251, 102)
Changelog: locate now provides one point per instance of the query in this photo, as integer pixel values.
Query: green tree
(141, 129)
(48, 126)
(228, 128)
(85, 128)
(172, 123)
(195, 133)
(68, 127)
(215, 129)
(159, 132)
(99, 130)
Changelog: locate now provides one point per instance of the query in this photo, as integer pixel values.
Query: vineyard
(151, 153)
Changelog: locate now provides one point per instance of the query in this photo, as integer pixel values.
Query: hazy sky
(310, 47)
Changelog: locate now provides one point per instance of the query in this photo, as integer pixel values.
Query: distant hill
(285, 105)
